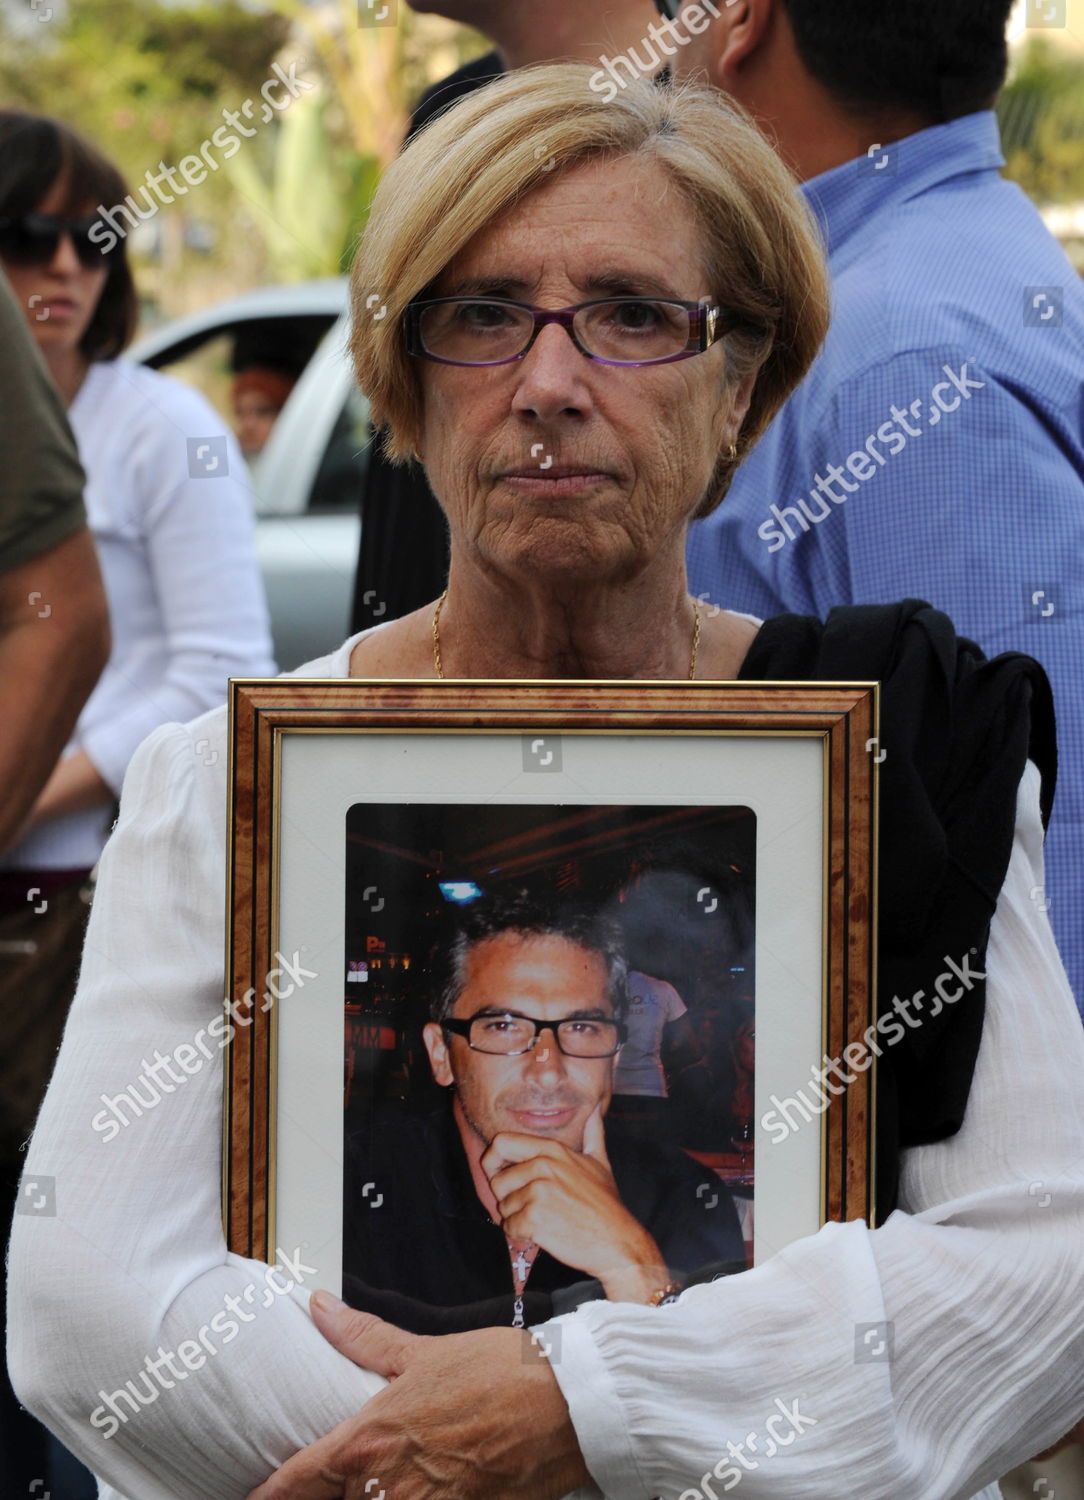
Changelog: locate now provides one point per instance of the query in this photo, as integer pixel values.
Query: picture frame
(338, 789)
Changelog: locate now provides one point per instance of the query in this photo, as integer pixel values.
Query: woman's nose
(553, 376)
(64, 261)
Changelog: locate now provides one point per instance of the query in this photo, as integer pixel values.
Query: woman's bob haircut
(472, 164)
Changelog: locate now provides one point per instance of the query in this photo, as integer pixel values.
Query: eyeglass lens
(627, 331)
(32, 239)
(577, 1038)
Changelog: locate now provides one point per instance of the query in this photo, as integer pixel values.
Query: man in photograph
(516, 1198)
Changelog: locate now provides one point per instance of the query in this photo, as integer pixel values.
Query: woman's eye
(483, 316)
(635, 315)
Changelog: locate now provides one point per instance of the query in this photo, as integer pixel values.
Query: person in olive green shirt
(54, 621)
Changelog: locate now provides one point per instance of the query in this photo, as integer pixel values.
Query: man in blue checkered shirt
(935, 449)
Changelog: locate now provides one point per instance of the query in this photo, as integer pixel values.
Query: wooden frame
(839, 722)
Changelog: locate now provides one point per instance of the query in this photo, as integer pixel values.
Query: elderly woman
(579, 315)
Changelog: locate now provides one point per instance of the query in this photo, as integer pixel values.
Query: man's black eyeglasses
(508, 1034)
(32, 239)
(668, 9)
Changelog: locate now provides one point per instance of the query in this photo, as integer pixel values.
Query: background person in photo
(936, 447)
(177, 560)
(54, 641)
(258, 394)
(54, 621)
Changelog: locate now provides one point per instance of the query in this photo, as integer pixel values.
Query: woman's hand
(475, 1415)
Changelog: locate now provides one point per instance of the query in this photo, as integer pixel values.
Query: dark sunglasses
(32, 239)
(668, 9)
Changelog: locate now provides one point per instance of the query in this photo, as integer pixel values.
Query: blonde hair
(473, 163)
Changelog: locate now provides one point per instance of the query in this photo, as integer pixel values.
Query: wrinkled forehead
(609, 226)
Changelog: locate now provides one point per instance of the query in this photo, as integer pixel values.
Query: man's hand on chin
(474, 1415)
(567, 1202)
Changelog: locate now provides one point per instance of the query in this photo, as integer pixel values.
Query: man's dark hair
(529, 916)
(935, 58)
(36, 152)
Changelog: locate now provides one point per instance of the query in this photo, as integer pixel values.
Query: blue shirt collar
(846, 197)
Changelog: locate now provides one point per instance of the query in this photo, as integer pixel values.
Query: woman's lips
(60, 307)
(554, 480)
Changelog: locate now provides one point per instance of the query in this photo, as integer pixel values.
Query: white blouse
(982, 1275)
(173, 530)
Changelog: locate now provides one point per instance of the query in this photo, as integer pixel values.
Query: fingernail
(325, 1302)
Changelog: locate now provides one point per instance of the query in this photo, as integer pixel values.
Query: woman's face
(255, 414)
(59, 298)
(555, 463)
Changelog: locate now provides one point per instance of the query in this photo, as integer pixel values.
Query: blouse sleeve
(174, 1369)
(969, 1296)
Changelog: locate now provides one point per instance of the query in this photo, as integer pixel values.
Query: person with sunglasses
(518, 1197)
(173, 525)
(590, 312)
(175, 546)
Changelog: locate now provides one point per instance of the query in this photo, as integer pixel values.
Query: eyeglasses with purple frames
(628, 331)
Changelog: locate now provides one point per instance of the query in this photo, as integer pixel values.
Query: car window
(266, 356)
(207, 368)
(338, 479)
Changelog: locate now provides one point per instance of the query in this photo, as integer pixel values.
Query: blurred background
(148, 80)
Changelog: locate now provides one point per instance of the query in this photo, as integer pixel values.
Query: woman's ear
(733, 408)
(741, 396)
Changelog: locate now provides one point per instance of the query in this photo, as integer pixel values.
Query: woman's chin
(560, 553)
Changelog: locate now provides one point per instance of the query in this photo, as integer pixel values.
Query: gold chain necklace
(440, 665)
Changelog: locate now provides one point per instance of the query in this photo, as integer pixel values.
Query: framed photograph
(536, 987)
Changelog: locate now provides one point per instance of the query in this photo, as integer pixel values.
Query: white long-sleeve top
(174, 537)
(982, 1276)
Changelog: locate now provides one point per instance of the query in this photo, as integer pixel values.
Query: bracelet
(666, 1294)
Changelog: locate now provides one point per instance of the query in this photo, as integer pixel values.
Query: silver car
(307, 480)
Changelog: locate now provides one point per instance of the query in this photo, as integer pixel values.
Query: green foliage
(144, 81)
(148, 81)
(1041, 113)
(310, 206)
